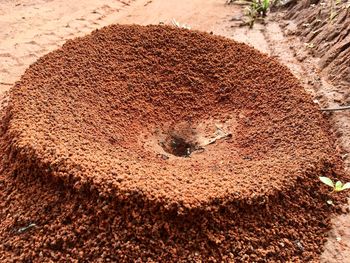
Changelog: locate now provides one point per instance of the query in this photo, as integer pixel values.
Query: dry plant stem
(336, 109)
(219, 137)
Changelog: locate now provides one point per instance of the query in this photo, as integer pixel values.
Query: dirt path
(36, 27)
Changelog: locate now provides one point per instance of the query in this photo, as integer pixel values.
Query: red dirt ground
(85, 175)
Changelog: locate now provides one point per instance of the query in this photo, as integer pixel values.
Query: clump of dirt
(325, 26)
(141, 144)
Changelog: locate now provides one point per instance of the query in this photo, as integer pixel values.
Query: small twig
(223, 135)
(23, 229)
(336, 109)
(219, 137)
(5, 83)
(177, 24)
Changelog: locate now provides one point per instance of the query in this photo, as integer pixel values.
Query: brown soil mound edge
(81, 139)
(94, 113)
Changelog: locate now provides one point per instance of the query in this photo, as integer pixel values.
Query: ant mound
(164, 144)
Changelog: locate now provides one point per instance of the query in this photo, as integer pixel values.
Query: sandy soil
(34, 28)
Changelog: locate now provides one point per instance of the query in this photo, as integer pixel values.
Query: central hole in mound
(178, 146)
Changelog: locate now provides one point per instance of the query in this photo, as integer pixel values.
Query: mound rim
(58, 136)
(94, 114)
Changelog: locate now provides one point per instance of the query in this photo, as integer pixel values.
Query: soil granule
(159, 144)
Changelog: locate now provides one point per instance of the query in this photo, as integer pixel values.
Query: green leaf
(345, 186)
(327, 181)
(266, 4)
(338, 186)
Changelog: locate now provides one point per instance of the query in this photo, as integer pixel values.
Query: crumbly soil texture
(160, 144)
(325, 27)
